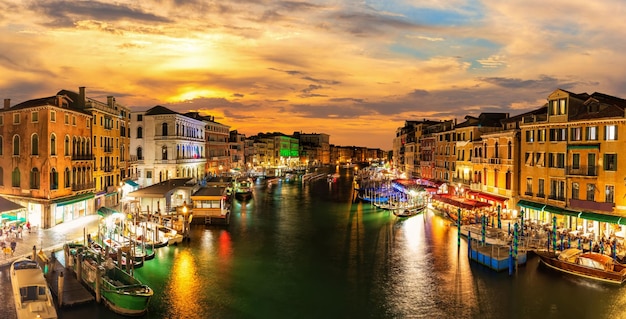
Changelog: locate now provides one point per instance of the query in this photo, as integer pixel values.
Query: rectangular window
(34, 117)
(541, 188)
(591, 188)
(139, 117)
(560, 160)
(541, 135)
(16, 118)
(74, 120)
(592, 133)
(530, 136)
(558, 134)
(551, 160)
(148, 174)
(575, 190)
(53, 116)
(529, 186)
(576, 134)
(610, 132)
(610, 194)
(575, 161)
(610, 162)
(1, 119)
(67, 119)
(529, 158)
(557, 190)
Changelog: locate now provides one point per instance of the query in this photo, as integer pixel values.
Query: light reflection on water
(308, 251)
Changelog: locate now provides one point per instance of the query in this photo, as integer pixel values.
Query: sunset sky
(356, 70)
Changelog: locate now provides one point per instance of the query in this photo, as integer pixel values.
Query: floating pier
(63, 283)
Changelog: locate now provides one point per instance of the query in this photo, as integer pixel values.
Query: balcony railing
(80, 187)
(583, 170)
(82, 157)
(556, 197)
(591, 205)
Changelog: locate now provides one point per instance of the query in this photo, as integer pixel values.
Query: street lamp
(185, 235)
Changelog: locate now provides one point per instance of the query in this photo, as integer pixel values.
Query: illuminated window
(610, 132)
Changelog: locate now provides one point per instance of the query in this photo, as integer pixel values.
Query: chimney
(7, 104)
(110, 101)
(81, 96)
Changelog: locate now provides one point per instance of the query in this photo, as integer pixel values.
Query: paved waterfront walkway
(52, 239)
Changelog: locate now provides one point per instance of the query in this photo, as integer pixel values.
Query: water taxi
(30, 291)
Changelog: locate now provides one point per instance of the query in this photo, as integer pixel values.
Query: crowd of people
(9, 234)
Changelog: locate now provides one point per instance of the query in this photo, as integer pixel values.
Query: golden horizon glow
(355, 71)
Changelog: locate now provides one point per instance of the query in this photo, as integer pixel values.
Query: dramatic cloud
(354, 70)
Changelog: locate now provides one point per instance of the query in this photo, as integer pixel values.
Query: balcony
(81, 187)
(557, 197)
(591, 205)
(82, 157)
(583, 170)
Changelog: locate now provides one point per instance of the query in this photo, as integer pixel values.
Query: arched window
(67, 146)
(140, 132)
(15, 178)
(164, 129)
(496, 151)
(54, 179)
(53, 144)
(510, 150)
(1, 145)
(34, 144)
(34, 178)
(164, 152)
(66, 178)
(139, 153)
(16, 145)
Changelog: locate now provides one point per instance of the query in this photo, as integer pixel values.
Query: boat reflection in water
(306, 250)
(589, 265)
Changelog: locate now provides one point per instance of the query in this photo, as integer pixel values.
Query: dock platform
(74, 293)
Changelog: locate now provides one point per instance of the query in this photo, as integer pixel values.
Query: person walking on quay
(13, 245)
(3, 245)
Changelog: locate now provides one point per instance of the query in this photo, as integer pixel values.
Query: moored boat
(121, 292)
(585, 264)
(30, 291)
(158, 235)
(409, 211)
(243, 189)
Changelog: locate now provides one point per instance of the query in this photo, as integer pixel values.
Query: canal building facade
(167, 145)
(560, 161)
(44, 146)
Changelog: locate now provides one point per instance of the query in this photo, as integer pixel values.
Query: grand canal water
(308, 251)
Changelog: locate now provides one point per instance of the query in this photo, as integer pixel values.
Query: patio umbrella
(499, 219)
(458, 224)
(484, 229)
(515, 239)
(554, 232)
(522, 214)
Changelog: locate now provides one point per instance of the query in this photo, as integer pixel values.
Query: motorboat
(30, 290)
(585, 264)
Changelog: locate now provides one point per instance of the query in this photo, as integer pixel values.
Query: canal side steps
(74, 293)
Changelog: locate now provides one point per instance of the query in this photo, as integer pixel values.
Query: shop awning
(106, 211)
(613, 219)
(561, 211)
(488, 196)
(72, 199)
(531, 205)
(131, 183)
(464, 203)
(9, 206)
